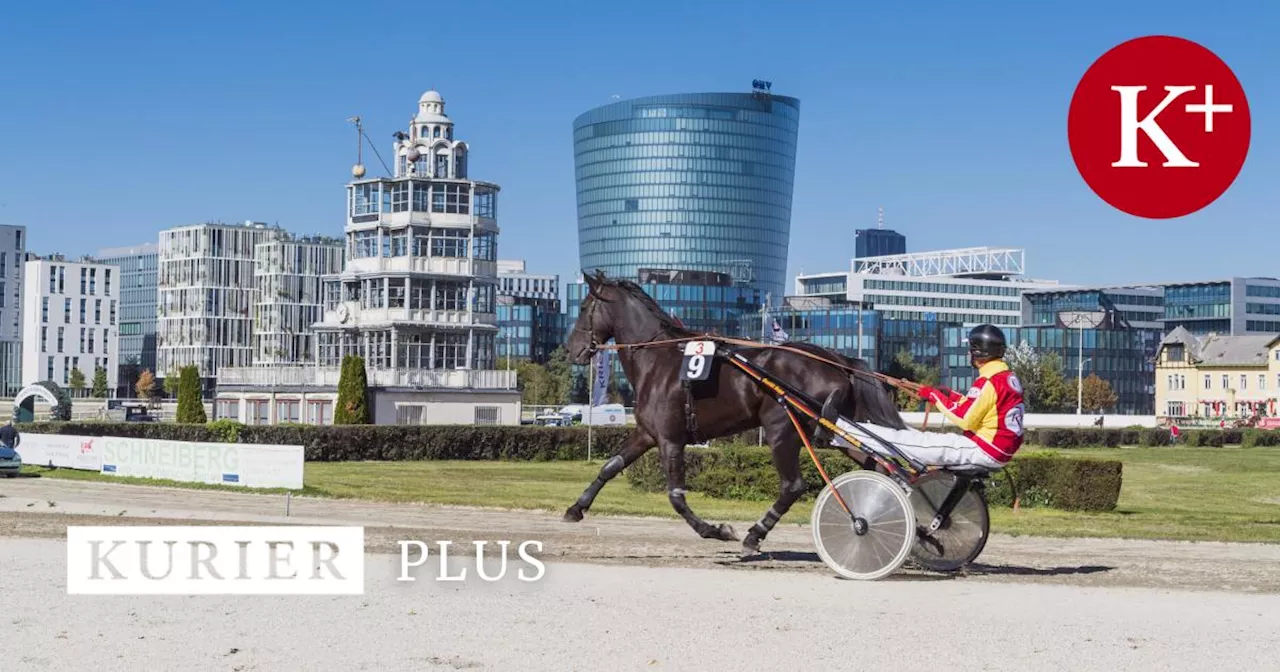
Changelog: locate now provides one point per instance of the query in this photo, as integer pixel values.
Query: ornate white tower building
(416, 298)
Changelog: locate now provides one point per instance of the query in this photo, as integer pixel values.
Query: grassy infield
(1218, 494)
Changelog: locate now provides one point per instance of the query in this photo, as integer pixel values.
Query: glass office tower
(688, 182)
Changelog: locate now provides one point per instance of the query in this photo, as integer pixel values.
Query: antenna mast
(880, 218)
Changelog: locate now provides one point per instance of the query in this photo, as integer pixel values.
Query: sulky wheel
(962, 535)
(876, 540)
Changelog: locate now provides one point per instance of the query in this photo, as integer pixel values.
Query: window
(486, 203)
(1208, 381)
(460, 165)
(319, 412)
(1262, 381)
(287, 410)
(50, 370)
(400, 197)
(421, 196)
(44, 339)
(488, 415)
(1244, 382)
(442, 164)
(106, 281)
(258, 412)
(364, 199)
(409, 414)
(53, 279)
(400, 243)
(448, 243)
(1176, 409)
(97, 311)
(395, 293)
(451, 198)
(485, 247)
(1175, 353)
(81, 339)
(1226, 382)
(93, 281)
(90, 340)
(364, 244)
(84, 275)
(450, 296)
(105, 342)
(229, 409)
(66, 310)
(451, 351)
(44, 310)
(83, 303)
(113, 312)
(60, 329)
(62, 277)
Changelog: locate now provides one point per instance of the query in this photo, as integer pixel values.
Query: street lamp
(1083, 320)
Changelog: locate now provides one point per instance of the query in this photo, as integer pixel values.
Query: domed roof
(431, 96)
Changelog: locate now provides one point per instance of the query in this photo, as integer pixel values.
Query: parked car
(10, 462)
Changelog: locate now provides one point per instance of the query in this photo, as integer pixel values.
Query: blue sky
(119, 119)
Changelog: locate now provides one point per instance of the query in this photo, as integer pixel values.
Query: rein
(895, 382)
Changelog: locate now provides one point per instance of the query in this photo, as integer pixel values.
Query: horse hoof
(726, 532)
(573, 515)
(751, 546)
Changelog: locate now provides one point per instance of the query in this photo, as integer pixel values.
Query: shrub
(190, 403)
(746, 472)
(353, 393)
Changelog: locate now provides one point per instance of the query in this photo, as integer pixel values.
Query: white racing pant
(930, 448)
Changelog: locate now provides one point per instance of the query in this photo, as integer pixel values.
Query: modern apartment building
(138, 276)
(13, 253)
(289, 274)
(207, 292)
(1231, 306)
(70, 322)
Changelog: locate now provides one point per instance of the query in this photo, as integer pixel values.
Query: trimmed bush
(746, 472)
(190, 398)
(353, 393)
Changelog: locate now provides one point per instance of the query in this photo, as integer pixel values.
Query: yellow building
(1218, 377)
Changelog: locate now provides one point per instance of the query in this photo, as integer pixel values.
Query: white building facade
(289, 274)
(70, 322)
(416, 299)
(13, 253)
(515, 280)
(970, 286)
(206, 296)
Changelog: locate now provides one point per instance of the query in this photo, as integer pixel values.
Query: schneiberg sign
(247, 464)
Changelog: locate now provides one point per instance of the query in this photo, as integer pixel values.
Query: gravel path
(632, 594)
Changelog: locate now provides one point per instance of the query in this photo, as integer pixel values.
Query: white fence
(248, 465)
(1051, 420)
(327, 377)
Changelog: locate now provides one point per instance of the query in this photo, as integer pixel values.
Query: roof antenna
(880, 218)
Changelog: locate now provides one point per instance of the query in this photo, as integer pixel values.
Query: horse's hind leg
(637, 444)
(673, 466)
(785, 444)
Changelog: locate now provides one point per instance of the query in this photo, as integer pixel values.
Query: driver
(990, 415)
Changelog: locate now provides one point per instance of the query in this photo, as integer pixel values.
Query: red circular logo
(1159, 127)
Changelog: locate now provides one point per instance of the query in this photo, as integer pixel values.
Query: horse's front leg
(673, 466)
(637, 444)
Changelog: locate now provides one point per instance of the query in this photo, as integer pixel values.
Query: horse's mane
(637, 292)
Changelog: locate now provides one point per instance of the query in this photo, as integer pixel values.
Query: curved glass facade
(699, 181)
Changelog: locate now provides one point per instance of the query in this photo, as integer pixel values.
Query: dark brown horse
(727, 403)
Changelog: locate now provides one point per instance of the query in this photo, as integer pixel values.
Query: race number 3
(698, 356)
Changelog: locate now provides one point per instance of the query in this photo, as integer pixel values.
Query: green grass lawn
(1220, 494)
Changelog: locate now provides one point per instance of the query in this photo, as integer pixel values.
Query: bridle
(595, 345)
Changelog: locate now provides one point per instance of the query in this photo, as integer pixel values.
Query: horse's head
(595, 325)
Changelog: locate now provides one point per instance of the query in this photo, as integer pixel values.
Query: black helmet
(986, 341)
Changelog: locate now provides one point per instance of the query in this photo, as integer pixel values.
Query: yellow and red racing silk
(991, 414)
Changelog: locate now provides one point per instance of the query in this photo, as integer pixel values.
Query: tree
(1096, 394)
(561, 379)
(146, 385)
(100, 383)
(353, 393)
(906, 367)
(1044, 388)
(190, 401)
(76, 381)
(171, 383)
(534, 383)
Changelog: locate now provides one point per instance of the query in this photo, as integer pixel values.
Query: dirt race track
(628, 593)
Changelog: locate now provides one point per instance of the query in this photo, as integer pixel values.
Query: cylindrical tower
(697, 181)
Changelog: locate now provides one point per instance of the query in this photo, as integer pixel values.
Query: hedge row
(737, 472)
(374, 442)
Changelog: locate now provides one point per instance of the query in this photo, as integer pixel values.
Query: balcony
(443, 266)
(327, 377)
(375, 317)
